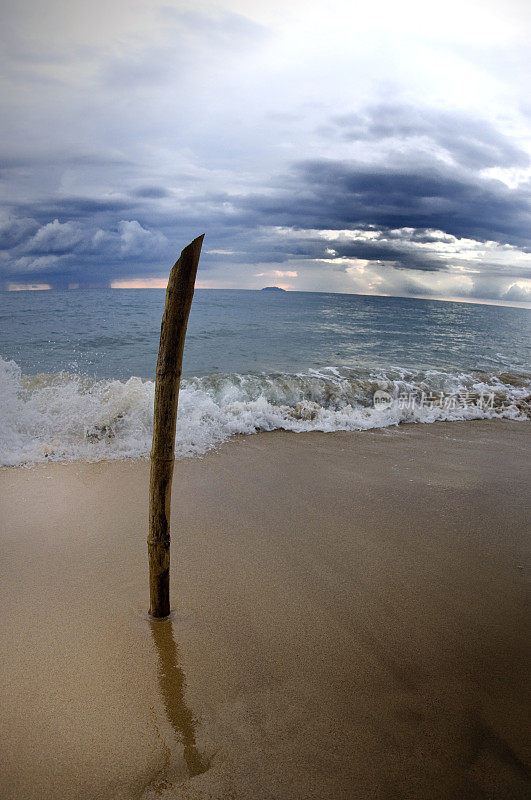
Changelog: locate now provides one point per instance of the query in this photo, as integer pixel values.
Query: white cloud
(519, 292)
(137, 241)
(55, 237)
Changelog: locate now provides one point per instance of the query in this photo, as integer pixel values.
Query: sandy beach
(349, 622)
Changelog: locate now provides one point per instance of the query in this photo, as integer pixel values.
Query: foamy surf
(67, 417)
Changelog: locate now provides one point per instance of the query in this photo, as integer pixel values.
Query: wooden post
(179, 296)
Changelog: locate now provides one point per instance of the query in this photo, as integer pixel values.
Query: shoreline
(349, 621)
(235, 437)
(70, 416)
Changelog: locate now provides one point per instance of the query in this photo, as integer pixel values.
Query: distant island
(272, 289)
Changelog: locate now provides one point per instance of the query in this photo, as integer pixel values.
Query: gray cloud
(14, 230)
(202, 37)
(55, 238)
(140, 233)
(121, 146)
(518, 293)
(471, 142)
(151, 192)
(335, 194)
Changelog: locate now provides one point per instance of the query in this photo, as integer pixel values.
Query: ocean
(77, 368)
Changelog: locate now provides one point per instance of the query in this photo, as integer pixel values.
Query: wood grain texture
(179, 295)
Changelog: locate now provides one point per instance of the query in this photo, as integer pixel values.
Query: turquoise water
(77, 368)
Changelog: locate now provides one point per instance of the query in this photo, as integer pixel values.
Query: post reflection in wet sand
(172, 683)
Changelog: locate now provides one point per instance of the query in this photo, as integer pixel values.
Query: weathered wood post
(179, 296)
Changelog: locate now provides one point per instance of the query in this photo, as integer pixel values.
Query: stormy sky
(381, 148)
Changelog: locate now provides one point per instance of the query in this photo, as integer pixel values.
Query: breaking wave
(66, 417)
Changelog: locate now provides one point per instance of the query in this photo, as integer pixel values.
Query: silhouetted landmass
(272, 289)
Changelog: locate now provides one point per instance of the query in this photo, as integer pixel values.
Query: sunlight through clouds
(301, 137)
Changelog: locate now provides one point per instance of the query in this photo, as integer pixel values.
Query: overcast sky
(373, 147)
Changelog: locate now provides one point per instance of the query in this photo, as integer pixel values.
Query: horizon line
(526, 305)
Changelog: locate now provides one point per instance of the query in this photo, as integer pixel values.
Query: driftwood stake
(179, 296)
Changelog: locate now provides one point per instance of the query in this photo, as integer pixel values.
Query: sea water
(77, 368)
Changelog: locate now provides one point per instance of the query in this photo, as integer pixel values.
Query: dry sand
(349, 622)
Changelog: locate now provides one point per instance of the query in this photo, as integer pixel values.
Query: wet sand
(349, 622)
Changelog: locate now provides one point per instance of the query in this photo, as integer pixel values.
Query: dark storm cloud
(68, 209)
(298, 247)
(151, 192)
(426, 177)
(68, 240)
(471, 142)
(78, 250)
(398, 257)
(14, 230)
(334, 194)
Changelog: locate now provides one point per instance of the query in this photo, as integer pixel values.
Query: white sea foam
(71, 417)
